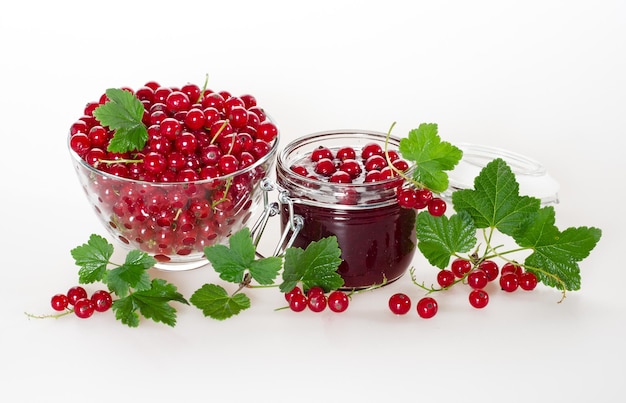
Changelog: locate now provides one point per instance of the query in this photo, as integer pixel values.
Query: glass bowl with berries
(171, 170)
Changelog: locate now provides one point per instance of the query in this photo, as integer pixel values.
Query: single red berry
(478, 298)
(321, 152)
(59, 302)
(427, 307)
(101, 300)
(338, 301)
(317, 301)
(289, 294)
(371, 149)
(325, 167)
(490, 268)
(510, 267)
(399, 303)
(298, 302)
(460, 267)
(477, 279)
(407, 198)
(346, 153)
(528, 281)
(509, 282)
(445, 278)
(436, 206)
(424, 196)
(75, 293)
(84, 308)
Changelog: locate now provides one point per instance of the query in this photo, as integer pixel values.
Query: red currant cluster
(345, 166)
(82, 305)
(370, 164)
(193, 135)
(316, 300)
(477, 276)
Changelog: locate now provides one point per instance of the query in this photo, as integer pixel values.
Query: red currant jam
(375, 234)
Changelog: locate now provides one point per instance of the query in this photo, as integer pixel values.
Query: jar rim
(303, 184)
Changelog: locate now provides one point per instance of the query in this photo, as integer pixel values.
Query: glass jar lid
(531, 175)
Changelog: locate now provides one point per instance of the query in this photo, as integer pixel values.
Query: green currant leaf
(92, 258)
(265, 270)
(495, 201)
(152, 303)
(232, 261)
(123, 112)
(292, 272)
(214, 302)
(315, 266)
(441, 237)
(132, 274)
(556, 253)
(431, 155)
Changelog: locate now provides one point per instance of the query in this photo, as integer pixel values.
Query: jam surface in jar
(375, 234)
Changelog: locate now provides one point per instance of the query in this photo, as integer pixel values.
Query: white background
(543, 78)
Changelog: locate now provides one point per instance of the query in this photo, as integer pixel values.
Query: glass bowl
(174, 221)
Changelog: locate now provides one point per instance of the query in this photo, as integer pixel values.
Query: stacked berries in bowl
(171, 170)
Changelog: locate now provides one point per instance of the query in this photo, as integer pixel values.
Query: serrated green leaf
(556, 253)
(495, 201)
(265, 270)
(232, 261)
(431, 155)
(214, 302)
(292, 270)
(441, 237)
(123, 113)
(122, 278)
(125, 311)
(92, 258)
(152, 303)
(314, 266)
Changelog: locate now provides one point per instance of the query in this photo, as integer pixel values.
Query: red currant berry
(407, 198)
(478, 298)
(59, 302)
(325, 167)
(75, 293)
(346, 153)
(266, 131)
(375, 162)
(352, 167)
(101, 300)
(510, 267)
(424, 196)
(509, 282)
(399, 303)
(321, 152)
(294, 291)
(436, 206)
(298, 302)
(477, 279)
(317, 301)
(427, 307)
(84, 308)
(490, 268)
(340, 177)
(338, 301)
(528, 281)
(460, 267)
(371, 149)
(445, 278)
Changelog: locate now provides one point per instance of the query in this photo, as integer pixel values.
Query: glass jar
(376, 236)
